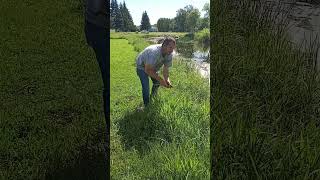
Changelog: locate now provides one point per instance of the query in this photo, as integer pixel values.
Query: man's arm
(151, 72)
(166, 75)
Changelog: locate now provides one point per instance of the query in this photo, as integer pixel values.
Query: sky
(159, 8)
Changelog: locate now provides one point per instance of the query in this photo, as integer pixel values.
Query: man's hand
(164, 83)
(169, 83)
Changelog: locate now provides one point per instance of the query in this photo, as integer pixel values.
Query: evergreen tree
(145, 22)
(119, 19)
(128, 24)
(114, 10)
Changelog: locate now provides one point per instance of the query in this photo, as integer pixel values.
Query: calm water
(198, 53)
(193, 51)
(304, 22)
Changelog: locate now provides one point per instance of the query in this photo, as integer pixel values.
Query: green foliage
(163, 24)
(139, 40)
(205, 21)
(265, 98)
(145, 22)
(192, 19)
(187, 19)
(127, 19)
(203, 37)
(114, 15)
(120, 17)
(180, 21)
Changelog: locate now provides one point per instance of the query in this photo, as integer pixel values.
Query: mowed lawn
(169, 140)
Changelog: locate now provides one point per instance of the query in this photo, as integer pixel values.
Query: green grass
(265, 99)
(52, 123)
(169, 140)
(139, 40)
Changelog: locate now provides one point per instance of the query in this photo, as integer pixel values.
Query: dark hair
(167, 40)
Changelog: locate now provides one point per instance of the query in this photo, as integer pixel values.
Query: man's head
(168, 45)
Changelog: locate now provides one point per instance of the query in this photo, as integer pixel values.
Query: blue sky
(159, 8)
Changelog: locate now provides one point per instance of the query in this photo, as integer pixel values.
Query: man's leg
(155, 87)
(144, 78)
(97, 39)
(101, 56)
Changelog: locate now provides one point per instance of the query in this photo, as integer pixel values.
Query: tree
(114, 11)
(128, 24)
(192, 20)
(131, 26)
(180, 20)
(172, 25)
(145, 22)
(119, 24)
(187, 19)
(163, 24)
(205, 21)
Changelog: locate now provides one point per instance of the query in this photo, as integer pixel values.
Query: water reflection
(196, 51)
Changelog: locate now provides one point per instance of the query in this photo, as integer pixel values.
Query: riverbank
(264, 99)
(302, 23)
(203, 68)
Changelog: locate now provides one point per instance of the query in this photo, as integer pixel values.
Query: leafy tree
(205, 21)
(192, 19)
(187, 19)
(172, 25)
(180, 20)
(163, 24)
(145, 22)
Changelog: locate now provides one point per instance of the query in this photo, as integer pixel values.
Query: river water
(198, 55)
(304, 23)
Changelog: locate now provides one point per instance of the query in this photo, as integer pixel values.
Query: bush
(203, 37)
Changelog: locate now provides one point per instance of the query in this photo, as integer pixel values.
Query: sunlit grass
(168, 140)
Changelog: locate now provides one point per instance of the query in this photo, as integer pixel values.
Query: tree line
(120, 17)
(187, 19)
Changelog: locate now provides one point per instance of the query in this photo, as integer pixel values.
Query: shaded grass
(168, 140)
(51, 94)
(265, 97)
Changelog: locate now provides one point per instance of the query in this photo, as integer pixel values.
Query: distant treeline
(187, 19)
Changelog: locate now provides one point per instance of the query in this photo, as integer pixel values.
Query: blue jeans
(144, 78)
(97, 38)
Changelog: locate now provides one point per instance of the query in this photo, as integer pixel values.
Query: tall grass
(139, 41)
(169, 139)
(264, 98)
(203, 37)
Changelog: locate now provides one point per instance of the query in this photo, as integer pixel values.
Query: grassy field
(265, 98)
(51, 118)
(169, 140)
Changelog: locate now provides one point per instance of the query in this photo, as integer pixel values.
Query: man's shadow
(140, 128)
